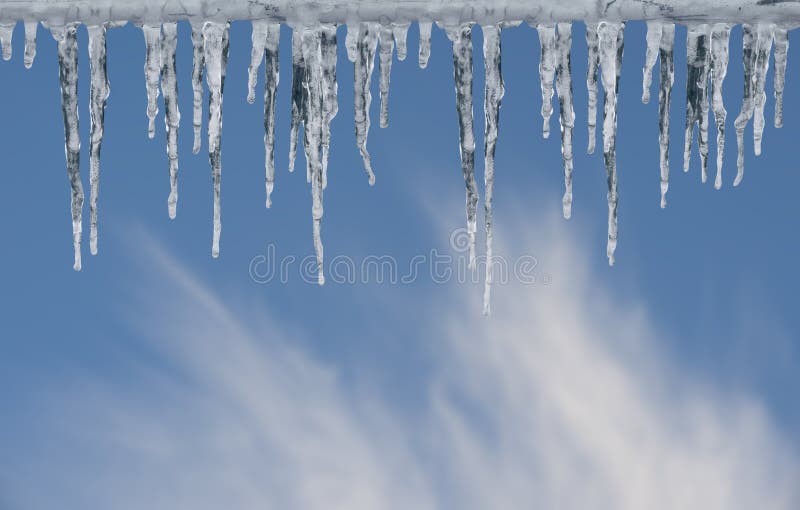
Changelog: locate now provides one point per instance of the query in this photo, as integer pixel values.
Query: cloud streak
(562, 400)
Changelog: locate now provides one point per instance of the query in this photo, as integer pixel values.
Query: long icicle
(424, 43)
(272, 77)
(298, 95)
(547, 71)
(258, 40)
(30, 43)
(697, 62)
(312, 132)
(609, 38)
(461, 37)
(666, 80)
(592, 43)
(365, 63)
(720, 42)
(781, 51)
(215, 51)
(491, 107)
(67, 39)
(386, 50)
(98, 95)
(198, 63)
(172, 115)
(330, 101)
(152, 68)
(766, 32)
(654, 31)
(567, 112)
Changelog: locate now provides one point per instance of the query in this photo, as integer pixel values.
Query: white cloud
(562, 400)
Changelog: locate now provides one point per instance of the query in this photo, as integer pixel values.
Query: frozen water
(381, 30)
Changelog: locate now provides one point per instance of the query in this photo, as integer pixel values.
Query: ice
(765, 36)
(461, 37)
(697, 61)
(386, 49)
(491, 107)
(567, 115)
(610, 38)
(30, 43)
(6, 33)
(400, 33)
(152, 69)
(314, 86)
(215, 50)
(67, 39)
(666, 57)
(271, 77)
(298, 98)
(314, 90)
(330, 101)
(720, 39)
(172, 115)
(781, 50)
(547, 70)
(424, 43)
(654, 31)
(592, 43)
(258, 43)
(98, 95)
(351, 41)
(366, 45)
(756, 44)
(198, 63)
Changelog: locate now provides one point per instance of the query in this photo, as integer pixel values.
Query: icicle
(424, 43)
(697, 61)
(491, 107)
(272, 77)
(461, 37)
(351, 41)
(258, 41)
(312, 130)
(215, 49)
(198, 63)
(152, 68)
(567, 116)
(67, 39)
(330, 103)
(298, 99)
(365, 62)
(386, 48)
(781, 50)
(654, 29)
(720, 38)
(30, 43)
(756, 43)
(592, 43)
(172, 115)
(765, 35)
(400, 32)
(6, 33)
(666, 80)
(547, 70)
(98, 96)
(610, 35)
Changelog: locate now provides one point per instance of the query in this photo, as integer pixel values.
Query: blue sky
(160, 377)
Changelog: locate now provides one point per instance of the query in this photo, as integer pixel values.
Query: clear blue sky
(136, 380)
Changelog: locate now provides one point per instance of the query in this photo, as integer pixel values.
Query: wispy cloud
(562, 400)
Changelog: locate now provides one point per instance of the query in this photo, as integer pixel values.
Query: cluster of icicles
(314, 99)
